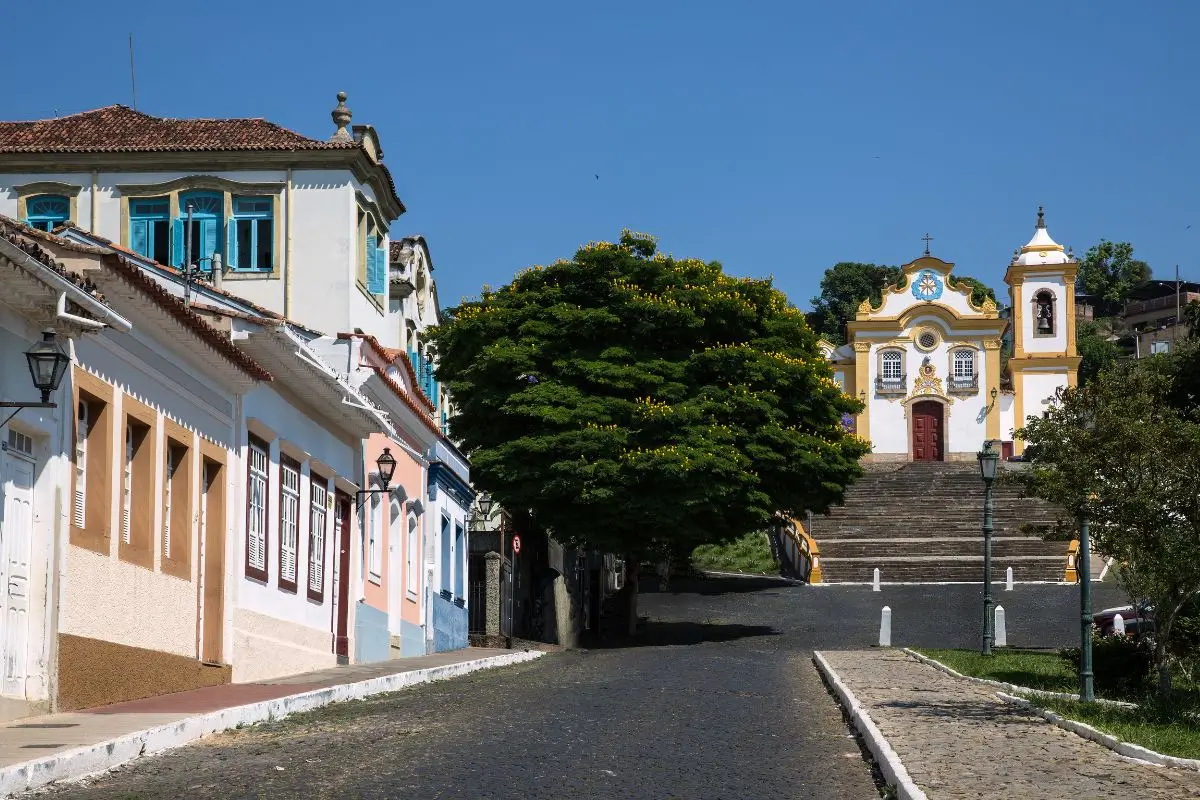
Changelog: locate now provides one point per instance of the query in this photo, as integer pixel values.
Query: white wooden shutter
(82, 427)
(288, 521)
(316, 538)
(127, 485)
(167, 480)
(258, 509)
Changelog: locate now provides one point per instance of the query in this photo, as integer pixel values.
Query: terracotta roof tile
(118, 129)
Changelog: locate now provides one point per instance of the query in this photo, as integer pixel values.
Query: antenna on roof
(132, 78)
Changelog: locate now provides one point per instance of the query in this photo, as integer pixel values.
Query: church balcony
(964, 385)
(891, 385)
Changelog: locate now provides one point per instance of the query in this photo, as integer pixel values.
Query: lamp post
(988, 458)
(1083, 569)
(47, 365)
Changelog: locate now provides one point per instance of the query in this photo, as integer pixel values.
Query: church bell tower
(1041, 280)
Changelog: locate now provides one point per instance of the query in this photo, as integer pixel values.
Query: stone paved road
(720, 701)
(958, 740)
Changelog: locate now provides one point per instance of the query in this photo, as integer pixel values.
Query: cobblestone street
(719, 700)
(958, 741)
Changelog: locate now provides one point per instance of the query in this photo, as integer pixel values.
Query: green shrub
(1121, 665)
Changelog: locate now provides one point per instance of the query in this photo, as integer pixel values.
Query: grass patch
(750, 554)
(1169, 727)
(1047, 672)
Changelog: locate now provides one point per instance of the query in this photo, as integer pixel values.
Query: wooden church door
(927, 425)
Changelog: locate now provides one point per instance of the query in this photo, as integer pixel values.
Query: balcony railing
(891, 385)
(965, 385)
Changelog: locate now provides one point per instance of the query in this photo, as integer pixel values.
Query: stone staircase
(920, 522)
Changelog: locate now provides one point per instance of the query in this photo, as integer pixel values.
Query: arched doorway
(928, 431)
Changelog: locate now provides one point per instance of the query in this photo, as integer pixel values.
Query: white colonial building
(927, 361)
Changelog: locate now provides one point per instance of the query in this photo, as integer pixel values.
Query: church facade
(926, 362)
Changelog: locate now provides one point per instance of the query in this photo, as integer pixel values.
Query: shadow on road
(664, 634)
(715, 585)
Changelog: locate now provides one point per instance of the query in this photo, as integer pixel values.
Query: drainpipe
(56, 580)
(95, 202)
(287, 247)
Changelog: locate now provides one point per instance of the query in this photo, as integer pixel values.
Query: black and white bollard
(885, 627)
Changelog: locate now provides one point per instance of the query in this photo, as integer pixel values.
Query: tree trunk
(1162, 633)
(632, 567)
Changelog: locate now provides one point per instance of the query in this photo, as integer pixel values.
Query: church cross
(927, 239)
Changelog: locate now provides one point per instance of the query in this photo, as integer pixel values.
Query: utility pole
(1178, 318)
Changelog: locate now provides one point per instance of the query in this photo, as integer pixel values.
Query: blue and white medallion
(927, 286)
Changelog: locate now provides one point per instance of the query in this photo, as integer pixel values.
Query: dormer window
(47, 211)
(1043, 314)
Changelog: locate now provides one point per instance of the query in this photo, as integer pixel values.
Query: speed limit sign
(516, 545)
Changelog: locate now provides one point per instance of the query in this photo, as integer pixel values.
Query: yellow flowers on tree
(641, 404)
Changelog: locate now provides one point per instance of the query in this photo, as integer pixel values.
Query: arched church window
(1043, 314)
(964, 364)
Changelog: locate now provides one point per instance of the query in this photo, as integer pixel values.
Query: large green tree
(1097, 343)
(1124, 449)
(843, 288)
(639, 403)
(1110, 273)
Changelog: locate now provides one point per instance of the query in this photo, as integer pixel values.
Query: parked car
(1139, 620)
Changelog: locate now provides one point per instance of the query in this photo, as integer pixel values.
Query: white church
(926, 361)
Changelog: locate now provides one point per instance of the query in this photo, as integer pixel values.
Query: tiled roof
(395, 356)
(119, 129)
(24, 237)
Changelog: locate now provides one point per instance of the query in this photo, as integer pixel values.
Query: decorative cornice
(189, 182)
(862, 347)
(992, 344)
(48, 187)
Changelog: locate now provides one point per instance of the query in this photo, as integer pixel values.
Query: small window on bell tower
(1043, 314)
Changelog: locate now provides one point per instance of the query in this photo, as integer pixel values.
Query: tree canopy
(1125, 450)
(1110, 272)
(637, 402)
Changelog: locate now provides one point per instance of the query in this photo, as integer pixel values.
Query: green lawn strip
(1043, 671)
(1167, 728)
(749, 554)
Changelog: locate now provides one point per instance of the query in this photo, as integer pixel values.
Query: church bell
(1043, 324)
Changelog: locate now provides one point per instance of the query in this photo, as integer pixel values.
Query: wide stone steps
(943, 570)
(922, 523)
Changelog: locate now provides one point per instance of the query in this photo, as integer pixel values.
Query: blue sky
(776, 137)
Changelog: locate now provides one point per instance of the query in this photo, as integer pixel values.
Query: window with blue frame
(460, 551)
(208, 223)
(447, 557)
(251, 234)
(150, 228)
(47, 211)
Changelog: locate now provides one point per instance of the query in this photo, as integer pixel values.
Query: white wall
(1039, 386)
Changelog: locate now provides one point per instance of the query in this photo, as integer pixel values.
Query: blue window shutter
(139, 236)
(210, 236)
(177, 241)
(372, 264)
(381, 267)
(231, 250)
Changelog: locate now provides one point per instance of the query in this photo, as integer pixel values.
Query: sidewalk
(38, 750)
(956, 739)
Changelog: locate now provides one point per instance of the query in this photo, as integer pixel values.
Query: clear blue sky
(778, 137)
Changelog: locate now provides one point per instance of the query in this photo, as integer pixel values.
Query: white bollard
(1001, 635)
(1118, 625)
(875, 581)
(1008, 581)
(885, 627)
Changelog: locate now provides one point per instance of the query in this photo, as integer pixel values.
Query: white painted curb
(941, 583)
(1127, 749)
(1010, 687)
(889, 763)
(103, 756)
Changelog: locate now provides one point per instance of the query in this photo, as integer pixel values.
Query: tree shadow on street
(716, 585)
(664, 634)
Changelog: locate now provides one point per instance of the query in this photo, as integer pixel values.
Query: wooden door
(341, 576)
(212, 533)
(927, 431)
(16, 537)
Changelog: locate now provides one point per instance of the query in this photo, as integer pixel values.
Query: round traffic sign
(516, 545)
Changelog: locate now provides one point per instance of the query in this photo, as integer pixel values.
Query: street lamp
(485, 504)
(1083, 571)
(47, 366)
(386, 464)
(988, 459)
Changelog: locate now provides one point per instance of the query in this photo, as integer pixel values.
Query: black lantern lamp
(485, 505)
(47, 367)
(386, 466)
(988, 459)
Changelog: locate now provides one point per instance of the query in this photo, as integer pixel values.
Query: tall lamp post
(1083, 569)
(988, 459)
